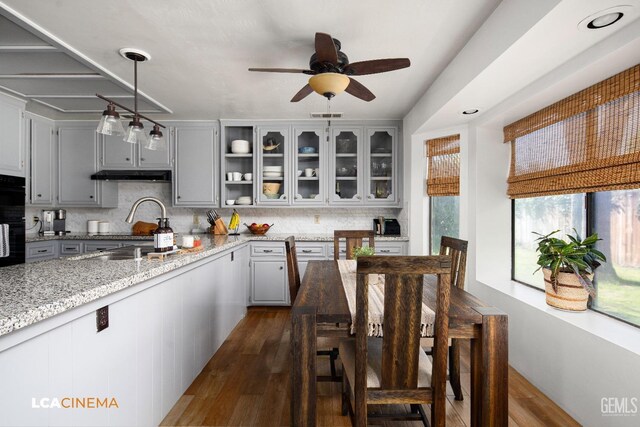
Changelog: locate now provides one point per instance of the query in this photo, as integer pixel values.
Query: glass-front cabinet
(381, 159)
(238, 175)
(309, 166)
(273, 149)
(346, 167)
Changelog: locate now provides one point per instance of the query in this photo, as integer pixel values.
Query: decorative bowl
(307, 150)
(240, 146)
(271, 187)
(270, 145)
(258, 229)
(343, 171)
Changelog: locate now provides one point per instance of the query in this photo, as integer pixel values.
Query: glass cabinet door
(346, 169)
(309, 166)
(273, 166)
(237, 166)
(381, 155)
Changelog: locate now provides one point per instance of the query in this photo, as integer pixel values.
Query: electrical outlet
(35, 220)
(102, 318)
(196, 219)
(316, 219)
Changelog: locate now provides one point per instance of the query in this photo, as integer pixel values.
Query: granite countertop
(30, 293)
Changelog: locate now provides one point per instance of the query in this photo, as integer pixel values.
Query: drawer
(100, 246)
(276, 250)
(70, 248)
(390, 249)
(310, 250)
(40, 250)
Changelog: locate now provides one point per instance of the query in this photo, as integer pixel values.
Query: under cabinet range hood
(133, 175)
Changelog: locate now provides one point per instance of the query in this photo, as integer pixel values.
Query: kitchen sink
(125, 253)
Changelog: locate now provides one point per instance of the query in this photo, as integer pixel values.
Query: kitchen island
(166, 320)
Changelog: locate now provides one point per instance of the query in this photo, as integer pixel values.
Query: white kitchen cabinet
(77, 161)
(269, 282)
(196, 166)
(42, 167)
(381, 170)
(278, 157)
(237, 162)
(309, 190)
(119, 154)
(100, 245)
(40, 251)
(12, 137)
(346, 174)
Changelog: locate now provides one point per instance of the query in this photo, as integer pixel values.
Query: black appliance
(386, 226)
(12, 195)
(133, 175)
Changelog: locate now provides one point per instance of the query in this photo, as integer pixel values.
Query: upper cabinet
(119, 154)
(42, 168)
(309, 166)
(194, 180)
(346, 182)
(238, 164)
(274, 148)
(77, 161)
(381, 166)
(12, 136)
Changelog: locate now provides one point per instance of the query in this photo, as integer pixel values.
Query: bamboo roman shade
(587, 142)
(444, 166)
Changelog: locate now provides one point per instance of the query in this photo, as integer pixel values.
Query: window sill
(600, 325)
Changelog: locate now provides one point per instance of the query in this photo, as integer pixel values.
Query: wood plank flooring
(246, 383)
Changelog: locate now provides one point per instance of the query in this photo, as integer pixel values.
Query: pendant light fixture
(110, 123)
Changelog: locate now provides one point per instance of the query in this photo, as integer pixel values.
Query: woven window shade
(444, 166)
(587, 142)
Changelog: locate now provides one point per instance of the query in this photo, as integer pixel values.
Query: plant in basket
(568, 268)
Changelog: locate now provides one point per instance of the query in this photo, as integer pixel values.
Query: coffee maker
(54, 222)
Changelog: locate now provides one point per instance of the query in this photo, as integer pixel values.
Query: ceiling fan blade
(359, 91)
(303, 93)
(282, 70)
(376, 66)
(326, 49)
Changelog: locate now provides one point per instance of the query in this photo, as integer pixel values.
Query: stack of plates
(273, 171)
(244, 200)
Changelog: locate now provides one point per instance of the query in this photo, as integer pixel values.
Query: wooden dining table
(322, 301)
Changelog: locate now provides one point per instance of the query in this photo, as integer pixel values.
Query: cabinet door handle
(358, 197)
(281, 268)
(371, 196)
(384, 251)
(179, 197)
(142, 159)
(307, 251)
(41, 251)
(127, 159)
(343, 251)
(267, 251)
(91, 197)
(101, 249)
(39, 195)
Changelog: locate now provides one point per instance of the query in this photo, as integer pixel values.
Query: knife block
(218, 227)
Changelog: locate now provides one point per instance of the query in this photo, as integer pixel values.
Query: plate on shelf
(243, 202)
(272, 174)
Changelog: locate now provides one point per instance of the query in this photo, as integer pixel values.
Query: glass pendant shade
(135, 133)
(329, 84)
(156, 140)
(110, 123)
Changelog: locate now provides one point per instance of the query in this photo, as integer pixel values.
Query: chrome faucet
(134, 208)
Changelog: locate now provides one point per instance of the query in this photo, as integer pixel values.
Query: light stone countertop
(30, 293)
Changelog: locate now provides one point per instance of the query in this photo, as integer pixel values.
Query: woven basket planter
(571, 294)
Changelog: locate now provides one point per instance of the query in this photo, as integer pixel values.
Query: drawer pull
(385, 251)
(267, 251)
(307, 251)
(281, 268)
(41, 251)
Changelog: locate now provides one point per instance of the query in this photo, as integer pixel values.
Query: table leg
(490, 370)
(303, 375)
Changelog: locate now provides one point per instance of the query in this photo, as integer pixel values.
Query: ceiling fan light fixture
(156, 139)
(110, 123)
(329, 84)
(135, 132)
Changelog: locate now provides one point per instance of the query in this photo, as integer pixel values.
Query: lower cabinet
(158, 340)
(40, 251)
(100, 246)
(269, 284)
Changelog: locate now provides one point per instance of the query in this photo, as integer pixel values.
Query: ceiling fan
(330, 70)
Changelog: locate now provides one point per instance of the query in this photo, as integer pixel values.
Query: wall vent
(326, 115)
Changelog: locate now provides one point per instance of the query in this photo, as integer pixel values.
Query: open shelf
(238, 182)
(233, 155)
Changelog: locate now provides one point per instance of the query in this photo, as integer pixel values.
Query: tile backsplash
(293, 220)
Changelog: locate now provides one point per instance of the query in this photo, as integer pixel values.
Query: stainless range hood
(133, 175)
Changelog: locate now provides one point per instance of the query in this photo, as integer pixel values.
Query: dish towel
(4, 240)
(376, 301)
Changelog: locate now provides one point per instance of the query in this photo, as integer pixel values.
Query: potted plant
(363, 251)
(568, 269)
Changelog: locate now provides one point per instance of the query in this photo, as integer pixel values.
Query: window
(542, 215)
(614, 215)
(616, 218)
(444, 220)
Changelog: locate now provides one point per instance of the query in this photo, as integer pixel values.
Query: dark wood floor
(246, 383)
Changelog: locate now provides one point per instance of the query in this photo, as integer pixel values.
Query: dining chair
(394, 369)
(353, 239)
(328, 345)
(457, 250)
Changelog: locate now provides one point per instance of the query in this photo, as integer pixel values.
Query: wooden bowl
(259, 230)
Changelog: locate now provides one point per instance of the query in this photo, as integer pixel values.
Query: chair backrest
(353, 238)
(457, 250)
(404, 276)
(292, 267)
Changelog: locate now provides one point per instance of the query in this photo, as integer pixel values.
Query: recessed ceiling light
(605, 18)
(471, 111)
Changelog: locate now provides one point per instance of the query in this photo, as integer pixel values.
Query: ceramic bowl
(307, 150)
(271, 187)
(230, 202)
(240, 146)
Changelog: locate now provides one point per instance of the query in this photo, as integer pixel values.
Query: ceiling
(201, 49)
